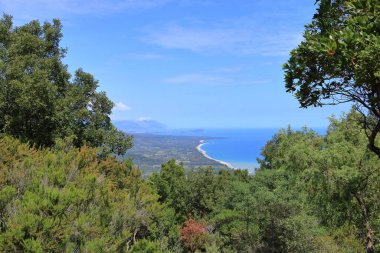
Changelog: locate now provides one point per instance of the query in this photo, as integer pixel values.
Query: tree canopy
(40, 102)
(312, 193)
(338, 61)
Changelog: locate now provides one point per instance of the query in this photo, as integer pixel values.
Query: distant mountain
(140, 126)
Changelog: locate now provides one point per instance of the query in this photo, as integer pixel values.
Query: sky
(186, 63)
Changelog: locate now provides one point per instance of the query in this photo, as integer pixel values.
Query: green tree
(291, 150)
(206, 191)
(344, 183)
(170, 184)
(145, 246)
(33, 79)
(338, 61)
(334, 176)
(237, 223)
(40, 103)
(67, 200)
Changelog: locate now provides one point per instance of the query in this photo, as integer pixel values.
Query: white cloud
(121, 107)
(266, 34)
(144, 119)
(228, 70)
(194, 79)
(243, 37)
(194, 39)
(53, 8)
(147, 56)
(217, 79)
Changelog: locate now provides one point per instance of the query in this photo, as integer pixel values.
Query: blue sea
(238, 147)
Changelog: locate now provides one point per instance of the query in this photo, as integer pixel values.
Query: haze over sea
(238, 147)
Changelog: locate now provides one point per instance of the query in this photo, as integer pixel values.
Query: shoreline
(204, 153)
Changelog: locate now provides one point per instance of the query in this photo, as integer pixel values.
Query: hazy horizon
(200, 127)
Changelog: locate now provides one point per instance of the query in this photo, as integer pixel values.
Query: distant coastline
(204, 153)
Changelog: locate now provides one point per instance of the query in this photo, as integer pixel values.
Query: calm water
(238, 147)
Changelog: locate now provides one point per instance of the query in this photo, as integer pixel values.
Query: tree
(336, 177)
(67, 200)
(145, 246)
(194, 234)
(33, 79)
(206, 192)
(338, 61)
(39, 102)
(344, 183)
(170, 184)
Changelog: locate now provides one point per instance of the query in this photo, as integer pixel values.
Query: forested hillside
(63, 190)
(312, 194)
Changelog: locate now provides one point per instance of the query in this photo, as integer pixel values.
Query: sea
(240, 148)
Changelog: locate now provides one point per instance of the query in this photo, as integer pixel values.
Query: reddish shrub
(194, 234)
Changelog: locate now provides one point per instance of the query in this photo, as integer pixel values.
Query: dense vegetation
(62, 190)
(40, 102)
(312, 194)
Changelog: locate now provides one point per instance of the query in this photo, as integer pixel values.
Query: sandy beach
(199, 148)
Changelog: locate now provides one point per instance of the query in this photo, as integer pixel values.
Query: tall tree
(170, 185)
(339, 175)
(338, 61)
(39, 102)
(33, 79)
(344, 182)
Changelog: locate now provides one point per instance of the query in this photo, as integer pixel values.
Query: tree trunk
(370, 248)
(372, 139)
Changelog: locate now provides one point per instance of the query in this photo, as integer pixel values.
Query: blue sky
(186, 63)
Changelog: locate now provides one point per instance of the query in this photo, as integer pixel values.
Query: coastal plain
(152, 150)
